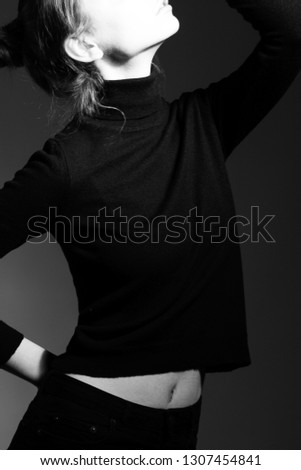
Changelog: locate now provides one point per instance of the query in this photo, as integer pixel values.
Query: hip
(67, 413)
(164, 390)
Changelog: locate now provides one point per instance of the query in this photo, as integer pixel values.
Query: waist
(164, 390)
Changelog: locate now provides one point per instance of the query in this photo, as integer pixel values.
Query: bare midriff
(167, 390)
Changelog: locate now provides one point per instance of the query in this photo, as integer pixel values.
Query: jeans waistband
(61, 385)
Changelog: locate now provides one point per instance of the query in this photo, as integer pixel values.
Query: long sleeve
(41, 183)
(241, 100)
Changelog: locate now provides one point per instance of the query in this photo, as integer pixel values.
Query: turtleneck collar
(136, 97)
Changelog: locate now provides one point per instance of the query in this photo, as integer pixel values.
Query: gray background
(256, 407)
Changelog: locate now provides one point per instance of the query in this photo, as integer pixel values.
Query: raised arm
(41, 183)
(241, 100)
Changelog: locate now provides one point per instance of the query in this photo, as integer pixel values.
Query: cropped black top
(144, 213)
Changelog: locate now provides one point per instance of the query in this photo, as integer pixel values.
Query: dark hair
(36, 40)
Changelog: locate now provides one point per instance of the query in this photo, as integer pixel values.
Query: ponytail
(11, 39)
(86, 90)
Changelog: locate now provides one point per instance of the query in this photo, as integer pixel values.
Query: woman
(136, 191)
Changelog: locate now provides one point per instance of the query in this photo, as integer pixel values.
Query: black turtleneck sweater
(154, 297)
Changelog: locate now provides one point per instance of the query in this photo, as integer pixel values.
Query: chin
(177, 24)
(172, 26)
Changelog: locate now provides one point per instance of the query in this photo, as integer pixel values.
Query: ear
(82, 48)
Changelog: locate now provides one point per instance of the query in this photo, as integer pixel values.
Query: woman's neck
(138, 66)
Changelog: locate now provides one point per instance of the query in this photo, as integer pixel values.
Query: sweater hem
(155, 362)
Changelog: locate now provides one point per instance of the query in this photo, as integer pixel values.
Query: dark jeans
(69, 414)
